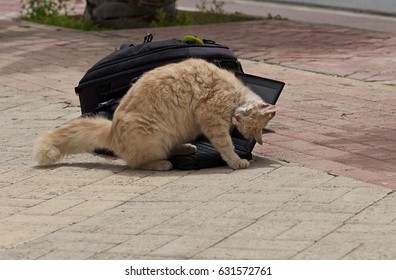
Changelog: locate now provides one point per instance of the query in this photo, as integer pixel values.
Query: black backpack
(102, 87)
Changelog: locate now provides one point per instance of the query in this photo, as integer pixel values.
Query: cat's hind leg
(148, 154)
(184, 149)
(157, 165)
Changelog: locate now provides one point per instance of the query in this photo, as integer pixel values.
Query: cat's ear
(268, 108)
(263, 111)
(236, 119)
(242, 111)
(239, 114)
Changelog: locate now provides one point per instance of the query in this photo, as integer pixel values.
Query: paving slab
(90, 207)
(321, 186)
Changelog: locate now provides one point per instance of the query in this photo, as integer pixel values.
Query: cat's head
(251, 120)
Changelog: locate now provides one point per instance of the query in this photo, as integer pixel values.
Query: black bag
(102, 87)
(111, 77)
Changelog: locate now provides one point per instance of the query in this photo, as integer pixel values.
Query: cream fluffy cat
(166, 108)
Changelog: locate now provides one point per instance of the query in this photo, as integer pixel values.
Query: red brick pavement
(345, 125)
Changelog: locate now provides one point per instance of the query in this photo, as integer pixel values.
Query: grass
(198, 18)
(161, 20)
(67, 22)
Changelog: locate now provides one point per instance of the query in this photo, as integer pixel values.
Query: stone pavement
(321, 187)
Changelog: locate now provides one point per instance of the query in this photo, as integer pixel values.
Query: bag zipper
(151, 52)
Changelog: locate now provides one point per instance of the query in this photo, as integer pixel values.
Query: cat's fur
(166, 108)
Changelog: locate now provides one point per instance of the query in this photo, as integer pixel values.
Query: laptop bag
(102, 87)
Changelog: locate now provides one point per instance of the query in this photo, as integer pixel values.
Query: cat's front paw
(239, 164)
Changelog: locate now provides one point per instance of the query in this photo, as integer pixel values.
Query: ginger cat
(166, 108)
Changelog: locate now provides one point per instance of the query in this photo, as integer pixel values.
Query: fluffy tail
(77, 136)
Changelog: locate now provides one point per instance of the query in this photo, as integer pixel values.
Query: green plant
(207, 14)
(54, 12)
(68, 22)
(216, 7)
(162, 19)
(43, 8)
(276, 17)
